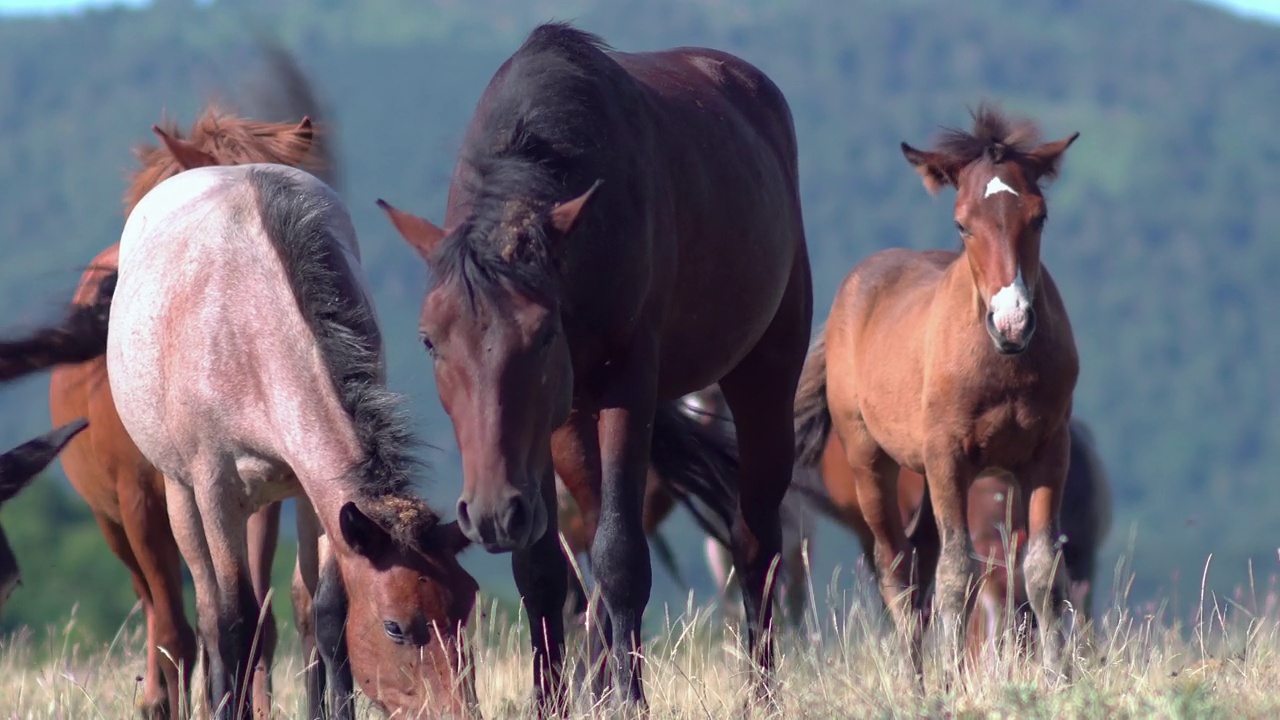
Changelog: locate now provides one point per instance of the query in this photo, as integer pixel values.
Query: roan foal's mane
(297, 223)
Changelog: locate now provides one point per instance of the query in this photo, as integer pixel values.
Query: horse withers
(952, 363)
(622, 229)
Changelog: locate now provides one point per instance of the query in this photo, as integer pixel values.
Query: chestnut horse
(996, 523)
(246, 363)
(994, 516)
(124, 491)
(622, 229)
(18, 467)
(949, 364)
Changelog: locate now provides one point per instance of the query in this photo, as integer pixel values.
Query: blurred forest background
(1163, 237)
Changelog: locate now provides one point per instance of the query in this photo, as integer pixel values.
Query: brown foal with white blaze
(952, 364)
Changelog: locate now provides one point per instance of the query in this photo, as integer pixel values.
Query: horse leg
(171, 643)
(541, 572)
(155, 701)
(263, 534)
(213, 543)
(310, 618)
(1046, 474)
(948, 479)
(795, 537)
(763, 416)
(875, 475)
(619, 550)
(576, 448)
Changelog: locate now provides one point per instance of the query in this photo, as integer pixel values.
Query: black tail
(284, 94)
(699, 465)
(80, 336)
(21, 465)
(813, 416)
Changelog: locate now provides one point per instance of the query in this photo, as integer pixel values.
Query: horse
(123, 489)
(622, 229)
(246, 364)
(927, 361)
(997, 523)
(18, 467)
(660, 498)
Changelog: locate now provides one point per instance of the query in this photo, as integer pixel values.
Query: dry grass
(1141, 664)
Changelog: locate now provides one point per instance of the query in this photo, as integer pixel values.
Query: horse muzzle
(1012, 332)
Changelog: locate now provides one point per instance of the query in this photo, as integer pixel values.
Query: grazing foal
(950, 364)
(246, 363)
(124, 491)
(18, 467)
(622, 229)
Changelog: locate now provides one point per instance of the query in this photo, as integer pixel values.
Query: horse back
(728, 196)
(210, 355)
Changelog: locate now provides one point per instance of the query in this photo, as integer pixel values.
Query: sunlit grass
(1224, 662)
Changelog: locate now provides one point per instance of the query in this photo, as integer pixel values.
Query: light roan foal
(246, 363)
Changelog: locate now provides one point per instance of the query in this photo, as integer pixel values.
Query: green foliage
(65, 565)
(1161, 236)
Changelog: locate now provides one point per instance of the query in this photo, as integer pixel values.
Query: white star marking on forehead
(998, 186)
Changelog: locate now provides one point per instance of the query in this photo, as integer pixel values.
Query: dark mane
(538, 143)
(230, 139)
(995, 136)
(296, 221)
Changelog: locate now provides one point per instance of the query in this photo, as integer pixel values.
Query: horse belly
(719, 314)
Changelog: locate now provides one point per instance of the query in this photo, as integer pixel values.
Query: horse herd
(623, 238)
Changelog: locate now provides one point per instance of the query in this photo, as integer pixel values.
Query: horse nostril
(464, 518)
(517, 516)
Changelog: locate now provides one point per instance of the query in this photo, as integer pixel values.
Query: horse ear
(187, 155)
(362, 533)
(934, 168)
(420, 233)
(21, 465)
(305, 131)
(446, 537)
(1046, 159)
(564, 216)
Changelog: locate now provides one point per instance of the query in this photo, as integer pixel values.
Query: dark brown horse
(661, 498)
(622, 229)
(950, 364)
(18, 467)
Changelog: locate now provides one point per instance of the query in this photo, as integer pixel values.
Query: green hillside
(1162, 237)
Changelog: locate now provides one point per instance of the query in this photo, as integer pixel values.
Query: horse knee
(620, 564)
(1043, 574)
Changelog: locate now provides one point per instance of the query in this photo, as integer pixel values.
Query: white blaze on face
(998, 186)
(1011, 308)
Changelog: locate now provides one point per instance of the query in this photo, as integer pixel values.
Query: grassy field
(1225, 662)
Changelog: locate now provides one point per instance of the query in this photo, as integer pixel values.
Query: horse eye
(394, 632)
(1038, 223)
(426, 343)
(964, 232)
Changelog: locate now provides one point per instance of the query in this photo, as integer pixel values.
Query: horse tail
(813, 415)
(698, 464)
(807, 484)
(80, 336)
(21, 465)
(285, 94)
